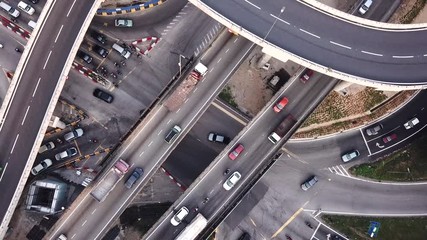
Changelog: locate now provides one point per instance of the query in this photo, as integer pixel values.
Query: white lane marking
(160, 132)
(226, 51)
(14, 143)
(59, 33)
(141, 153)
(169, 121)
(371, 53)
(93, 211)
(195, 89)
(150, 143)
(309, 33)
(25, 116)
(84, 223)
(253, 5)
(340, 45)
(344, 170)
(425, 55)
(4, 170)
(47, 60)
(403, 56)
(366, 142)
(71, 8)
(73, 236)
(235, 40)
(37, 85)
(280, 19)
(219, 60)
(186, 100)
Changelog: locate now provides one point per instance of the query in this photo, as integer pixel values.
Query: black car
(101, 51)
(103, 95)
(86, 57)
(99, 37)
(136, 174)
(215, 137)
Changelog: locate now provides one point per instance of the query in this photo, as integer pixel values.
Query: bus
(193, 229)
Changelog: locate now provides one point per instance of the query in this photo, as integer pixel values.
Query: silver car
(350, 156)
(231, 181)
(123, 22)
(309, 183)
(76, 133)
(66, 154)
(47, 146)
(372, 131)
(41, 166)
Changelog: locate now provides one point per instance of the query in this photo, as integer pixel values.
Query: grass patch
(227, 96)
(356, 228)
(413, 13)
(406, 164)
(143, 218)
(373, 98)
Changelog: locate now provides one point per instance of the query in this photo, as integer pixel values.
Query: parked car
(66, 154)
(411, 123)
(236, 152)
(41, 166)
(103, 95)
(84, 56)
(309, 183)
(136, 174)
(389, 138)
(231, 181)
(365, 6)
(101, 38)
(47, 146)
(101, 51)
(350, 155)
(121, 22)
(280, 105)
(215, 137)
(26, 8)
(372, 131)
(173, 133)
(179, 216)
(75, 133)
(306, 75)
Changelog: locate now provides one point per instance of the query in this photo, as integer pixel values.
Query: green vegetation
(413, 13)
(227, 96)
(143, 218)
(373, 98)
(356, 228)
(407, 164)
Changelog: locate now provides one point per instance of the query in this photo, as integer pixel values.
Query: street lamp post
(274, 23)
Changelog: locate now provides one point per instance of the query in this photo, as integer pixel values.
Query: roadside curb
(128, 9)
(173, 179)
(154, 40)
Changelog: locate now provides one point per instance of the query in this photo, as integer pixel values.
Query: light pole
(274, 23)
(180, 61)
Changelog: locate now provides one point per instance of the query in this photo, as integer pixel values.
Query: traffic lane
(195, 152)
(20, 112)
(310, 43)
(349, 196)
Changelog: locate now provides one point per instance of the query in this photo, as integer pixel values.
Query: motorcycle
(308, 225)
(1, 45)
(227, 171)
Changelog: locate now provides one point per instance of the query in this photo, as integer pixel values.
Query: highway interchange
(91, 218)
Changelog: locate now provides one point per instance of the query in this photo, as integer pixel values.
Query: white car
(26, 8)
(66, 154)
(365, 6)
(41, 166)
(47, 146)
(231, 181)
(76, 133)
(411, 123)
(350, 155)
(123, 22)
(179, 216)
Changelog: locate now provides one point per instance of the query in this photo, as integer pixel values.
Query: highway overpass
(385, 56)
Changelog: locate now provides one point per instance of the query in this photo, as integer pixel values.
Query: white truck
(193, 229)
(282, 129)
(105, 185)
(183, 90)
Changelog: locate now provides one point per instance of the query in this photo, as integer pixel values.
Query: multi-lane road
(392, 56)
(40, 77)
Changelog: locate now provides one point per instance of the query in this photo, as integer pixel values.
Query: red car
(280, 105)
(389, 138)
(236, 152)
(306, 75)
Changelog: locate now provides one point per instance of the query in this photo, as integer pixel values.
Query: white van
(32, 24)
(26, 8)
(365, 6)
(12, 11)
(121, 50)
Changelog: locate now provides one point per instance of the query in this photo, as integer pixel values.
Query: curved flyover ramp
(375, 54)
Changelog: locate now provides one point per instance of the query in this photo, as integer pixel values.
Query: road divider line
(402, 57)
(37, 85)
(72, 5)
(14, 143)
(93, 211)
(309, 33)
(4, 170)
(253, 5)
(340, 45)
(59, 33)
(371, 53)
(287, 222)
(283, 21)
(25, 116)
(47, 60)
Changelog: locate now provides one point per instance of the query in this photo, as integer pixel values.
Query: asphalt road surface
(393, 57)
(38, 79)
